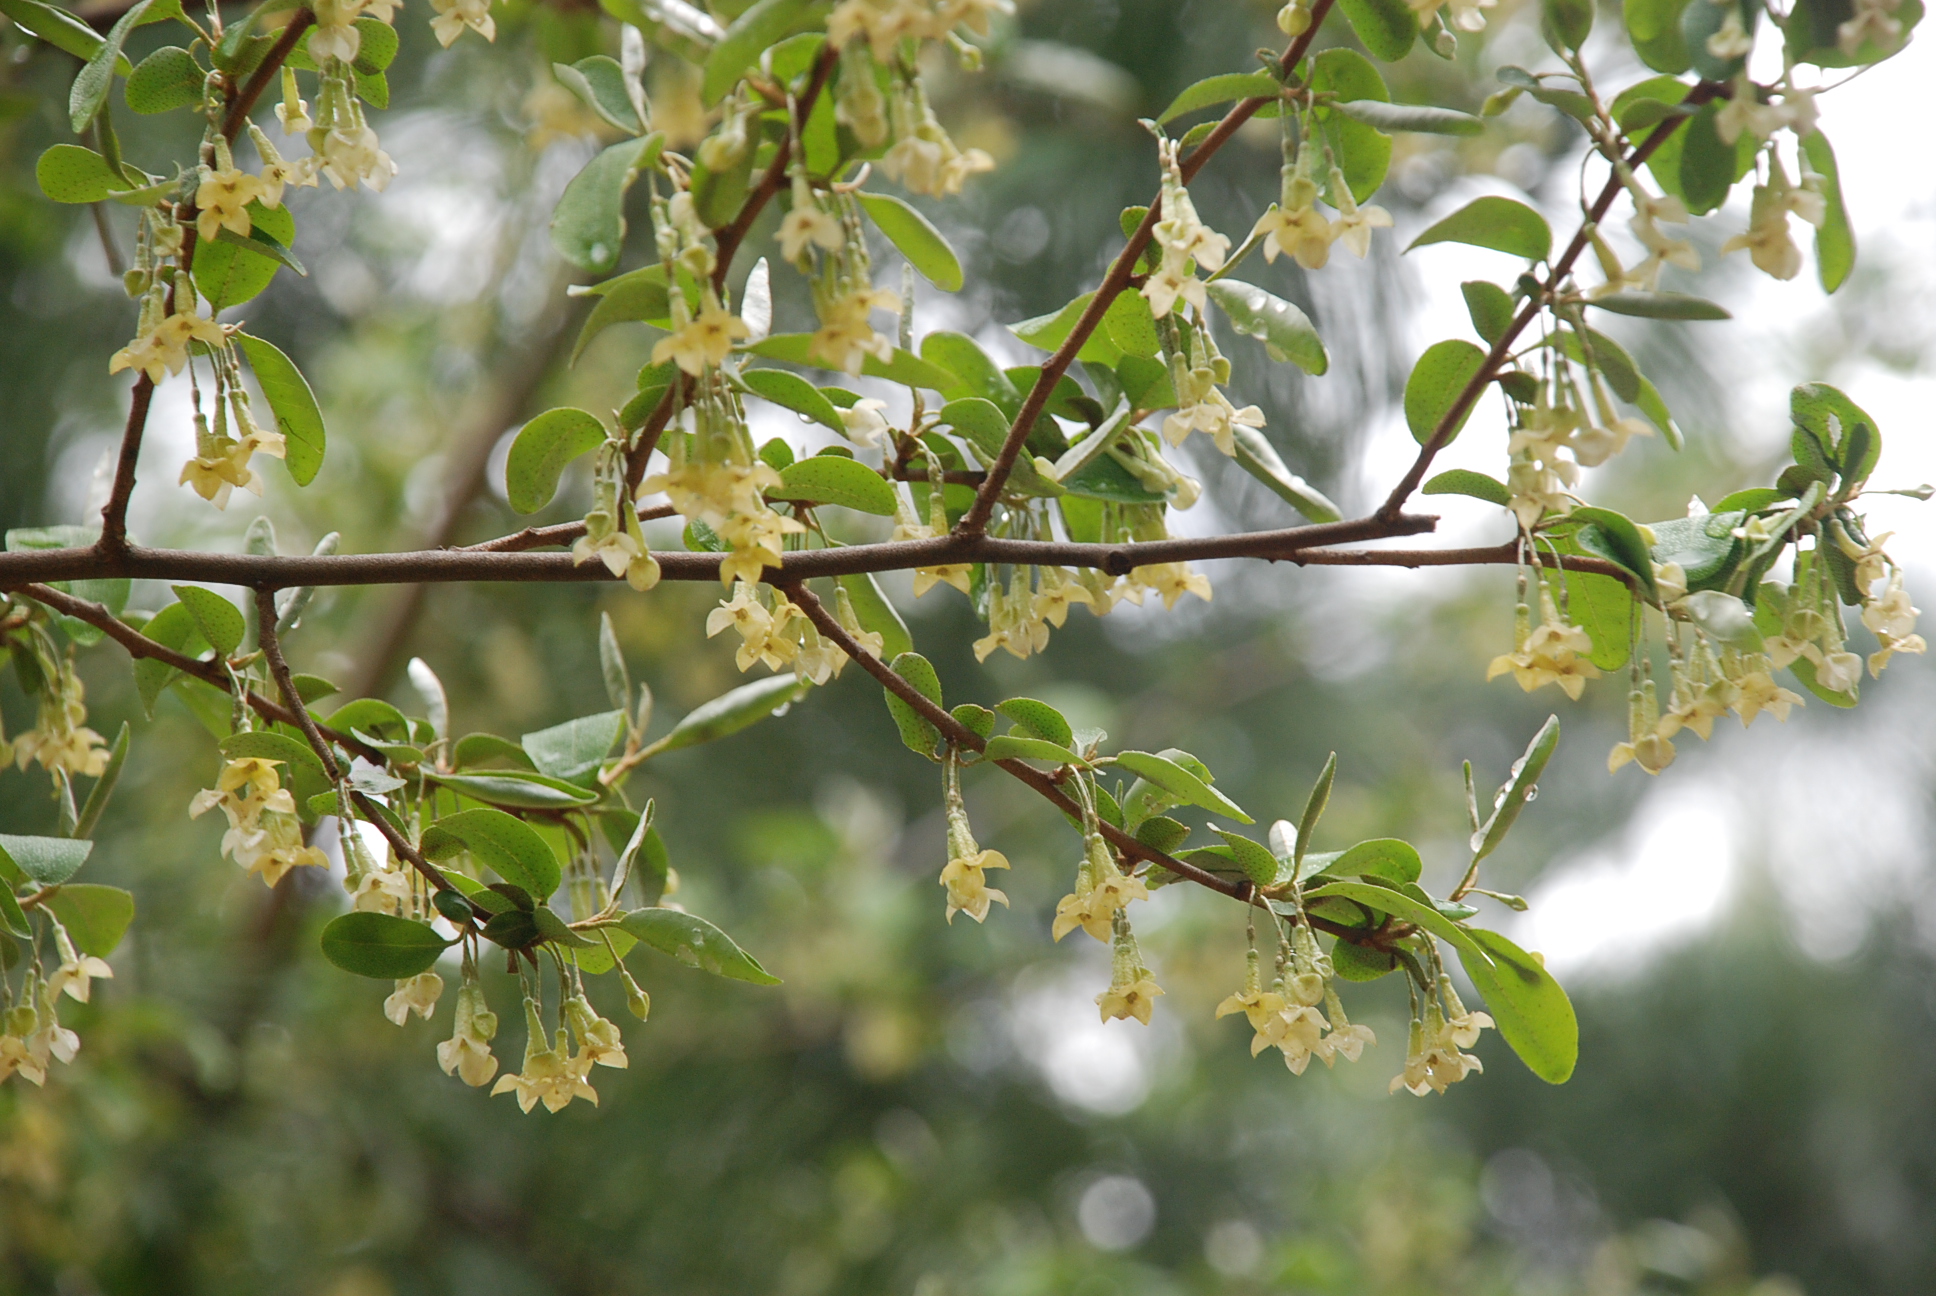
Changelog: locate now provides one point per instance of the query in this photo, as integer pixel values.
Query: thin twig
(271, 66)
(265, 611)
(975, 520)
(726, 247)
(962, 736)
(1454, 417)
(139, 645)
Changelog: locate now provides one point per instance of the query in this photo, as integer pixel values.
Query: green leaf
(600, 83)
(696, 943)
(1835, 240)
(97, 797)
(588, 226)
(985, 427)
(877, 615)
(1658, 414)
(832, 479)
(167, 79)
(1723, 618)
(1438, 380)
(381, 945)
(503, 843)
(292, 404)
(371, 715)
(1259, 865)
(218, 619)
(1661, 305)
(95, 916)
(1490, 308)
(1655, 26)
(542, 449)
(1038, 719)
(917, 732)
(1258, 457)
(267, 744)
(1363, 152)
(1614, 536)
(1018, 747)
(916, 238)
(1418, 118)
(1381, 857)
(1813, 405)
(1532, 1013)
(68, 173)
(1287, 333)
(1502, 224)
(91, 84)
(172, 627)
(1517, 791)
(975, 374)
(1463, 481)
(49, 861)
(1709, 167)
(60, 29)
(229, 274)
(791, 391)
(1314, 806)
(1566, 23)
(260, 243)
(1385, 27)
(12, 916)
(518, 790)
(1383, 899)
(1049, 332)
(575, 748)
(731, 712)
(764, 24)
(476, 749)
(1180, 783)
(978, 720)
(1222, 89)
(1706, 547)
(638, 295)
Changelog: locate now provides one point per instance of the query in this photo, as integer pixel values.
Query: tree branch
(271, 66)
(139, 646)
(1455, 416)
(975, 520)
(448, 565)
(1509, 552)
(114, 515)
(727, 247)
(962, 736)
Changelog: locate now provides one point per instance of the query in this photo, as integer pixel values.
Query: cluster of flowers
(1295, 227)
(1286, 1017)
(870, 37)
(553, 1073)
(265, 835)
(781, 635)
(1558, 434)
(34, 1036)
(60, 740)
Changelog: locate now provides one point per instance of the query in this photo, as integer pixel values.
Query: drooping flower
(453, 16)
(417, 994)
(548, 1076)
(467, 1053)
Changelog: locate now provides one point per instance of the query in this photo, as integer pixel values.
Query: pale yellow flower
(968, 890)
(417, 994)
